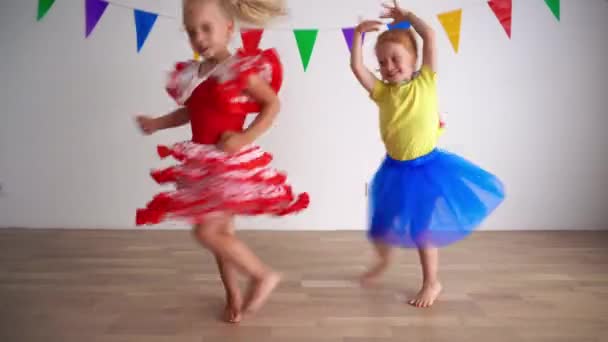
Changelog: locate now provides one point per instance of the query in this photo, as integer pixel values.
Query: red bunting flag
(251, 38)
(503, 10)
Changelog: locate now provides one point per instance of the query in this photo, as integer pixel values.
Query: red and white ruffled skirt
(208, 180)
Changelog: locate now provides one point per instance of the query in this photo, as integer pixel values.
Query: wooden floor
(124, 286)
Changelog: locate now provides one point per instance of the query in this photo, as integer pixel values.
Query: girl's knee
(383, 250)
(204, 233)
(211, 228)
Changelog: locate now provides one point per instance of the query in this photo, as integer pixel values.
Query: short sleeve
(182, 80)
(426, 74)
(378, 91)
(233, 78)
(265, 64)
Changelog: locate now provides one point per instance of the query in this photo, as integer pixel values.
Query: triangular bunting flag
(94, 9)
(503, 11)
(554, 6)
(43, 7)
(451, 24)
(306, 41)
(404, 25)
(144, 21)
(349, 33)
(251, 39)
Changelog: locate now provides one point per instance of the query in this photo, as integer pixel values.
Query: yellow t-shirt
(409, 117)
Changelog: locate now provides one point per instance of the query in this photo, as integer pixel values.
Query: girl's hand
(147, 124)
(442, 122)
(232, 142)
(429, 46)
(368, 26)
(393, 11)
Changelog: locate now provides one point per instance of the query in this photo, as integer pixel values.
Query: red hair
(405, 37)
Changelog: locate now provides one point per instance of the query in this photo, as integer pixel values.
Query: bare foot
(427, 295)
(260, 290)
(232, 311)
(370, 277)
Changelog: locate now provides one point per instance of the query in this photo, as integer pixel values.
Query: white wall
(531, 109)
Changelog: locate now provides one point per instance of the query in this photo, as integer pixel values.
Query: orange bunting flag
(451, 24)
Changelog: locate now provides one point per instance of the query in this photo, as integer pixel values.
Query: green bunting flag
(554, 6)
(306, 41)
(43, 7)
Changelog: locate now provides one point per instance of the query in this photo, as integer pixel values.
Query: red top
(207, 117)
(218, 102)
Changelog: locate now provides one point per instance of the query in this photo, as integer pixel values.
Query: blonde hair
(258, 12)
(405, 37)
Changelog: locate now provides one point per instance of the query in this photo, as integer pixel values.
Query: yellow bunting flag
(451, 24)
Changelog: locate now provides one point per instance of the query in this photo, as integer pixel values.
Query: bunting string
(305, 38)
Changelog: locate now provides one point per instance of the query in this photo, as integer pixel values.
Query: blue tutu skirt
(431, 201)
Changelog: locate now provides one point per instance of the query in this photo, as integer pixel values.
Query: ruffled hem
(432, 201)
(164, 209)
(209, 180)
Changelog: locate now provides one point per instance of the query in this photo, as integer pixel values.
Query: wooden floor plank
(150, 285)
